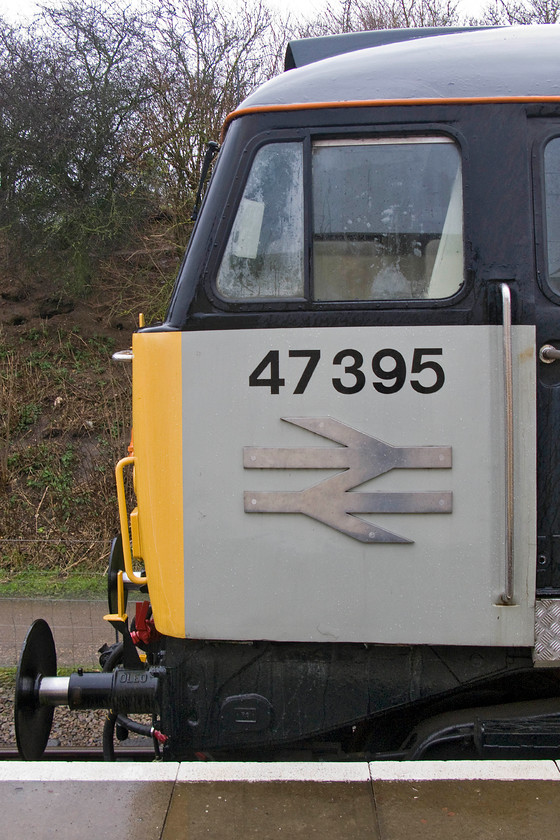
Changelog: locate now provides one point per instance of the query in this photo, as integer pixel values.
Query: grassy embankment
(64, 423)
(65, 416)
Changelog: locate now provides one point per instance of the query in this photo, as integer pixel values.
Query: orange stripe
(378, 103)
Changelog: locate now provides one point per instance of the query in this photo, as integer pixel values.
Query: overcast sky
(13, 10)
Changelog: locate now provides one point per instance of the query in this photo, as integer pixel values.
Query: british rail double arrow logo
(361, 457)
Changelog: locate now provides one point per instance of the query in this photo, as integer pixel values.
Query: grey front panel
(321, 507)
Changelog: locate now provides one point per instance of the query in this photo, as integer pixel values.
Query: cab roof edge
(310, 50)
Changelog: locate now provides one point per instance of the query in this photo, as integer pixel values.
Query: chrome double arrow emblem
(361, 457)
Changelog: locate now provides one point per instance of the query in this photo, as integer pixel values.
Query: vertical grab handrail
(123, 518)
(507, 595)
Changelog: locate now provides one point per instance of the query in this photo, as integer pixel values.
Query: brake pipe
(142, 729)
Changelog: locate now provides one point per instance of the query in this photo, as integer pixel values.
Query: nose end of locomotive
(38, 690)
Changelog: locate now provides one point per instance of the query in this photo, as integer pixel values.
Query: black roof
(501, 63)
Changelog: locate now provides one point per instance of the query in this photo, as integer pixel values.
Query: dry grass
(140, 278)
(65, 421)
(65, 407)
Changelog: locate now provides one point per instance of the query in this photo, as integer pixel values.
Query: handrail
(507, 595)
(120, 615)
(123, 519)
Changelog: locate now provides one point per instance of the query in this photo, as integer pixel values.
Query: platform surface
(358, 801)
(78, 628)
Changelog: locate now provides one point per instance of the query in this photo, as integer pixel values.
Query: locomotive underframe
(262, 696)
(266, 700)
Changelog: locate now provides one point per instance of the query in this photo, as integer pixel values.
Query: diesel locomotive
(345, 457)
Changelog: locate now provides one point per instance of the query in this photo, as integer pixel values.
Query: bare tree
(358, 15)
(71, 88)
(105, 113)
(521, 12)
(205, 58)
(103, 46)
(32, 89)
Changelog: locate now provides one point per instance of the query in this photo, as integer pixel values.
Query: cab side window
(552, 198)
(264, 254)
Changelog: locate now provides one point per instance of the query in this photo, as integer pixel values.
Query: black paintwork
(495, 176)
(229, 696)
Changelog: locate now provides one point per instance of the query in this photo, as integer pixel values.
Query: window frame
(541, 220)
(308, 137)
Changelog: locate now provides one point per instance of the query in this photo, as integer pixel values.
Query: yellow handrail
(120, 615)
(123, 518)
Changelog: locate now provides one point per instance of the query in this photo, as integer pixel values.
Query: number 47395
(388, 366)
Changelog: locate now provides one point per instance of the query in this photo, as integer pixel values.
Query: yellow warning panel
(157, 421)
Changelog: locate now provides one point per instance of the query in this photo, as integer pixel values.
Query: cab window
(552, 199)
(387, 219)
(264, 254)
(386, 222)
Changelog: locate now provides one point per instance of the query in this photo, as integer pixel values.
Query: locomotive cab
(345, 461)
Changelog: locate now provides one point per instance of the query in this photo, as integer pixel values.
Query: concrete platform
(361, 801)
